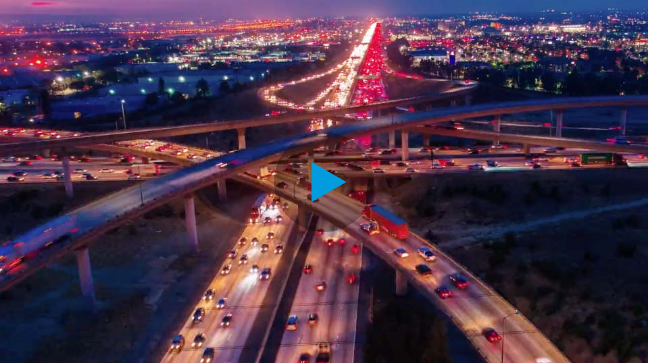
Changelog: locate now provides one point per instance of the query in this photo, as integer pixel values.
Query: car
(198, 341)
(304, 358)
(191, 156)
(91, 177)
(220, 304)
(232, 254)
(426, 254)
(264, 247)
(134, 176)
(458, 126)
(208, 295)
(19, 173)
(378, 171)
(529, 163)
(447, 162)
(550, 150)
(386, 152)
(267, 220)
(437, 165)
(330, 242)
(308, 269)
(198, 315)
(285, 206)
(47, 176)
(334, 153)
(402, 164)
(255, 241)
(443, 292)
(177, 344)
(341, 241)
(426, 149)
(319, 231)
(25, 163)
(243, 260)
(254, 269)
(423, 270)
(309, 198)
(278, 219)
(79, 171)
(9, 159)
(106, 170)
(312, 318)
(491, 335)
(321, 286)
(279, 249)
(226, 270)
(242, 241)
(410, 170)
(85, 159)
(351, 278)
(270, 235)
(459, 281)
(492, 163)
(475, 167)
(207, 356)
(12, 178)
(282, 185)
(400, 252)
(576, 164)
(227, 320)
(291, 324)
(265, 274)
(355, 248)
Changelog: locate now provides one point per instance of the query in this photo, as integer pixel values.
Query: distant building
(436, 55)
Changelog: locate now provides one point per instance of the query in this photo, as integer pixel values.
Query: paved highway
(243, 290)
(336, 307)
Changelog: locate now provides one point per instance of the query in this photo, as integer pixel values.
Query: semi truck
(145, 169)
(602, 158)
(323, 353)
(388, 222)
(258, 208)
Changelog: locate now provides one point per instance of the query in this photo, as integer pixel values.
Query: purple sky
(218, 9)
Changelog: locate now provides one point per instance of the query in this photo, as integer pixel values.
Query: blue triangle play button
(322, 182)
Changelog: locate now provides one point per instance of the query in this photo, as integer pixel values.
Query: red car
(342, 241)
(319, 232)
(321, 286)
(85, 159)
(330, 242)
(443, 292)
(25, 163)
(36, 157)
(459, 281)
(351, 278)
(355, 248)
(308, 269)
(282, 185)
(491, 335)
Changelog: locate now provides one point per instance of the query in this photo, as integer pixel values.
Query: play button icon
(322, 182)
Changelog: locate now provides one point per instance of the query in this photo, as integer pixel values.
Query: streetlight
(123, 113)
(516, 312)
(141, 193)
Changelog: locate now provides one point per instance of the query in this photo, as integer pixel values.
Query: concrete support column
(302, 217)
(222, 190)
(311, 160)
(401, 283)
(453, 103)
(392, 139)
(46, 153)
(190, 222)
(497, 126)
(405, 144)
(624, 120)
(426, 140)
(527, 149)
(85, 277)
(241, 138)
(468, 100)
(145, 160)
(559, 123)
(67, 176)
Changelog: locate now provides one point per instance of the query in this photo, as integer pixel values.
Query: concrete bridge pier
(401, 283)
(392, 139)
(222, 190)
(453, 103)
(497, 126)
(426, 139)
(85, 278)
(67, 176)
(241, 138)
(311, 161)
(559, 123)
(405, 144)
(190, 222)
(145, 160)
(302, 217)
(46, 153)
(624, 120)
(527, 149)
(468, 100)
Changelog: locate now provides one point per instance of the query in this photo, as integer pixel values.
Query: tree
(161, 85)
(548, 81)
(397, 52)
(90, 81)
(202, 89)
(151, 99)
(44, 102)
(77, 85)
(224, 87)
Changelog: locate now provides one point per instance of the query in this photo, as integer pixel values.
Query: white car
(79, 171)
(379, 171)
(410, 170)
(426, 254)
(400, 252)
(476, 167)
(106, 170)
(10, 159)
(436, 165)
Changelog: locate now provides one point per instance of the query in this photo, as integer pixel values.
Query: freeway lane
(243, 291)
(336, 307)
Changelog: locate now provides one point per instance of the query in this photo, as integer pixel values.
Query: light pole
(141, 193)
(123, 113)
(516, 312)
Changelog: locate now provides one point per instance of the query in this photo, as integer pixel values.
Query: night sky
(256, 9)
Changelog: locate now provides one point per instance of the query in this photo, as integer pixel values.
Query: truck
(389, 222)
(602, 158)
(145, 169)
(323, 353)
(257, 209)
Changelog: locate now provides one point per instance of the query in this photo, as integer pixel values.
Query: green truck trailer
(602, 158)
